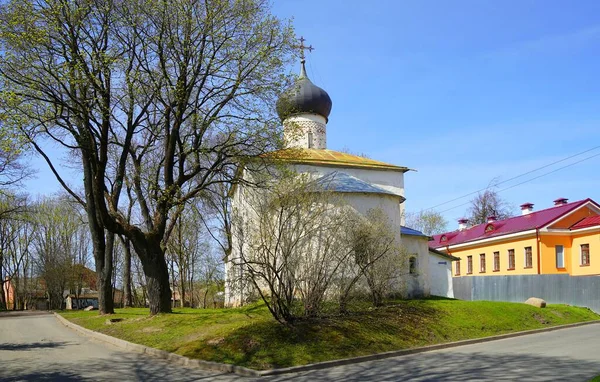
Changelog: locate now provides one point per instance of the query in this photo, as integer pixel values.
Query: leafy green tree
(429, 222)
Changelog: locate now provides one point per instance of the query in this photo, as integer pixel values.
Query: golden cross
(303, 47)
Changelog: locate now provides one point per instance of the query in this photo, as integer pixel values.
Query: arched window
(412, 265)
(310, 139)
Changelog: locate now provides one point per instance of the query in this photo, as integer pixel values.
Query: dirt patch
(558, 314)
(541, 319)
(215, 341)
(145, 318)
(151, 330)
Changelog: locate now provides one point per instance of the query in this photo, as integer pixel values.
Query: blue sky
(462, 91)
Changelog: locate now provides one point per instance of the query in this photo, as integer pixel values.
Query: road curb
(171, 357)
(246, 372)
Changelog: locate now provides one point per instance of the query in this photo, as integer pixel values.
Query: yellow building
(562, 239)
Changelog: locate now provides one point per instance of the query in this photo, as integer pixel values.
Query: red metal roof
(587, 222)
(533, 220)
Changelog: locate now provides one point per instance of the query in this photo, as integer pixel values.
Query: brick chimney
(561, 201)
(526, 208)
(462, 224)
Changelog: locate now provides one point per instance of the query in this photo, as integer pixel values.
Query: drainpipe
(539, 257)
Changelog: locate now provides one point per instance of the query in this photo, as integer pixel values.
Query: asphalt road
(36, 347)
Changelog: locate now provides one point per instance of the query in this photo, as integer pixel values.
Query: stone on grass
(537, 302)
(91, 307)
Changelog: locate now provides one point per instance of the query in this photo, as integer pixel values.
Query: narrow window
(412, 265)
(560, 256)
(528, 258)
(482, 263)
(585, 254)
(511, 259)
(496, 261)
(310, 139)
(469, 265)
(457, 268)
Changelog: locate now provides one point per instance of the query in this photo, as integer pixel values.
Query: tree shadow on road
(456, 367)
(23, 313)
(33, 346)
(42, 376)
(119, 366)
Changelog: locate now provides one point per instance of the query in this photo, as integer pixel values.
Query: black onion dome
(303, 97)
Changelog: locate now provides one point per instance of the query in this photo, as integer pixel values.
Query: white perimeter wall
(440, 271)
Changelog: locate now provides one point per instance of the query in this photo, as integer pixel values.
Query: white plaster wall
(440, 273)
(362, 203)
(417, 284)
(236, 291)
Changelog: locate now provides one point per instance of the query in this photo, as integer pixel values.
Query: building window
(412, 265)
(511, 259)
(457, 268)
(585, 254)
(496, 261)
(469, 265)
(560, 256)
(528, 258)
(310, 139)
(482, 263)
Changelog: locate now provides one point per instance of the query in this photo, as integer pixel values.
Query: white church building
(364, 183)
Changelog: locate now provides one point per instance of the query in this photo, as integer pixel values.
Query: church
(363, 183)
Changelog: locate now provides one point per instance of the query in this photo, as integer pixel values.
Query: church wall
(388, 203)
(418, 284)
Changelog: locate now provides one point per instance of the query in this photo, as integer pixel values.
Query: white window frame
(562, 256)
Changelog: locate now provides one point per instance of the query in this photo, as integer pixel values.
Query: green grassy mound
(250, 337)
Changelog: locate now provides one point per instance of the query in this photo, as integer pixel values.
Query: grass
(250, 337)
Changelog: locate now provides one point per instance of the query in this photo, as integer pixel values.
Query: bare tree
(487, 204)
(377, 253)
(377, 260)
(289, 241)
(60, 248)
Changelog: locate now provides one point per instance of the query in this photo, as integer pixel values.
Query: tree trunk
(174, 286)
(3, 296)
(156, 270)
(128, 301)
(159, 291)
(104, 274)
